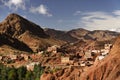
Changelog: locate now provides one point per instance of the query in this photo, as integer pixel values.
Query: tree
(38, 71)
(21, 73)
(12, 75)
(3, 74)
(29, 76)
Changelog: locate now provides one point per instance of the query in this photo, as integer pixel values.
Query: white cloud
(42, 9)
(117, 12)
(77, 13)
(100, 20)
(14, 4)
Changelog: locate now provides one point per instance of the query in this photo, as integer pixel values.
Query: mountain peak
(13, 16)
(15, 25)
(19, 31)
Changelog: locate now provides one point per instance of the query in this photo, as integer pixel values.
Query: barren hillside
(21, 34)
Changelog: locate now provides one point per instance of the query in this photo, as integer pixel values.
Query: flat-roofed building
(65, 60)
(88, 54)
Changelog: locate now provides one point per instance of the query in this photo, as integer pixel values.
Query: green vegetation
(7, 73)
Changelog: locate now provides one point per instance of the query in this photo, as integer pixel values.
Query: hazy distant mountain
(54, 33)
(24, 35)
(101, 35)
(69, 36)
(78, 34)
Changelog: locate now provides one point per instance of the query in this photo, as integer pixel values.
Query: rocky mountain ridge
(82, 34)
(15, 27)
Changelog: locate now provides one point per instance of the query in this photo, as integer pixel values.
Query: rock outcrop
(107, 69)
(16, 28)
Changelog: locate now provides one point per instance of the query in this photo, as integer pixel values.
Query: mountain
(101, 35)
(78, 34)
(22, 34)
(15, 25)
(68, 36)
(16, 30)
(108, 69)
(54, 33)
(61, 35)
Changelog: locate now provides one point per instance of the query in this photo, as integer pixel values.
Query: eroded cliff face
(64, 74)
(107, 69)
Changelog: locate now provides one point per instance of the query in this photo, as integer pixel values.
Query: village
(89, 58)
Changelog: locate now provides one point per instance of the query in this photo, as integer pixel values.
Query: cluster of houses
(90, 56)
(88, 59)
(12, 58)
(79, 63)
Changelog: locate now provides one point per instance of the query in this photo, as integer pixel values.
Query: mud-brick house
(13, 57)
(30, 67)
(53, 48)
(88, 55)
(1, 58)
(99, 58)
(65, 59)
(95, 51)
(25, 56)
(104, 52)
(107, 46)
(82, 64)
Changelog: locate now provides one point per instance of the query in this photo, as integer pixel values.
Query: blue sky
(66, 14)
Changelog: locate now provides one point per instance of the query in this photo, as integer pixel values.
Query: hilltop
(24, 35)
(82, 34)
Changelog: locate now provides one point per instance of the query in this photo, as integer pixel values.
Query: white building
(104, 52)
(95, 51)
(0, 57)
(31, 65)
(101, 57)
(107, 46)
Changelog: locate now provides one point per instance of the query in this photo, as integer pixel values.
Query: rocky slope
(78, 34)
(18, 32)
(108, 69)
